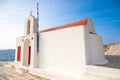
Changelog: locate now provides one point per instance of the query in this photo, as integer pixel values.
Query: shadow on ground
(114, 61)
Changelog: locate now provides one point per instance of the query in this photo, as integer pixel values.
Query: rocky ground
(9, 73)
(112, 54)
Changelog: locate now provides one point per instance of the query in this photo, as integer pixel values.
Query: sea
(7, 55)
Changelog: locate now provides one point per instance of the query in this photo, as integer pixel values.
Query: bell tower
(30, 42)
(27, 46)
(31, 25)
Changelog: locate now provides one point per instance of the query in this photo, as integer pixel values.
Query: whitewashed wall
(63, 50)
(24, 51)
(97, 51)
(93, 46)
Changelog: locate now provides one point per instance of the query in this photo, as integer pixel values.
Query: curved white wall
(96, 49)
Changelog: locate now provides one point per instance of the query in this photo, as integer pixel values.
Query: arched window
(28, 27)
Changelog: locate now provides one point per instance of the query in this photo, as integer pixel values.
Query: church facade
(66, 48)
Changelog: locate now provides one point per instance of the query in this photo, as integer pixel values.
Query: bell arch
(31, 25)
(28, 27)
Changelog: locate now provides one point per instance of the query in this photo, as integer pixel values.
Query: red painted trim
(29, 55)
(19, 53)
(74, 24)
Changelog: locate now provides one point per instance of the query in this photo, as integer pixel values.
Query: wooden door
(19, 53)
(29, 54)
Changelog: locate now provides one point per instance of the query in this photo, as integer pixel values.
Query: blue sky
(104, 13)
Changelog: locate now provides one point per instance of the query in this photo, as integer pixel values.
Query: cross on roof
(31, 13)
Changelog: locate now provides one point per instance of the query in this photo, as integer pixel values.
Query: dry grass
(106, 47)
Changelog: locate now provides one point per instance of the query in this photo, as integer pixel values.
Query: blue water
(7, 55)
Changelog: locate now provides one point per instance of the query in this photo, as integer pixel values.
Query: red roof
(74, 24)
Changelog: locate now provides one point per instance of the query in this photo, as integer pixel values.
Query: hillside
(112, 49)
(112, 53)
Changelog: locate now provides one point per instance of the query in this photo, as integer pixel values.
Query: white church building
(67, 48)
